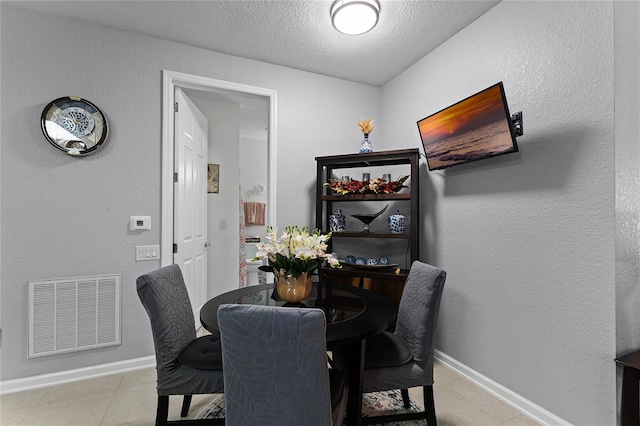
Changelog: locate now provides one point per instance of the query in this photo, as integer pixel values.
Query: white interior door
(190, 192)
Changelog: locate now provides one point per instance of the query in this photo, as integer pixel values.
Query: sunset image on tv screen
(474, 128)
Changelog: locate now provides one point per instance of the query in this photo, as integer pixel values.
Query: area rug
(373, 404)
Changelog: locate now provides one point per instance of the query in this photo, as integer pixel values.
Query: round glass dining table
(352, 313)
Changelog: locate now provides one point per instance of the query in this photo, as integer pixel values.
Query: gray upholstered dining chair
(185, 365)
(275, 367)
(404, 358)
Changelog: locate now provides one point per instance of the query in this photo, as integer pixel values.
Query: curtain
(243, 252)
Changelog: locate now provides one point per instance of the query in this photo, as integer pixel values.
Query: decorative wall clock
(74, 125)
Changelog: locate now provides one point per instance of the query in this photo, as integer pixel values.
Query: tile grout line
(104, 415)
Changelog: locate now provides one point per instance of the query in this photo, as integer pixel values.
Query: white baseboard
(68, 376)
(521, 404)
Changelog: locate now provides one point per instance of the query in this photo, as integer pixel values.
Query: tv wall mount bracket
(516, 121)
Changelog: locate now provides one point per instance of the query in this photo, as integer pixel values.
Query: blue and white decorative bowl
(361, 261)
(350, 259)
(397, 222)
(383, 261)
(372, 261)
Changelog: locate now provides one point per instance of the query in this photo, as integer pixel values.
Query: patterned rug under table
(373, 404)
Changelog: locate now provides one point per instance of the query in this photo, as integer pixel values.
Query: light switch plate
(147, 253)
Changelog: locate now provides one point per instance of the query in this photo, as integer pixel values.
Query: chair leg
(186, 403)
(162, 412)
(405, 398)
(331, 362)
(429, 406)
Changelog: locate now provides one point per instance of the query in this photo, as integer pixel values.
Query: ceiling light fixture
(353, 17)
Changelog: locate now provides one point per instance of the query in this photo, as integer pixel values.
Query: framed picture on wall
(213, 178)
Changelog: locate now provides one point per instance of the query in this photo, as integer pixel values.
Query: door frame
(171, 80)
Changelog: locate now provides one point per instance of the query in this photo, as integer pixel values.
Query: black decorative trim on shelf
(401, 156)
(388, 274)
(367, 197)
(403, 236)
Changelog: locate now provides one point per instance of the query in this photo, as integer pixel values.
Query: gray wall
(627, 124)
(627, 157)
(528, 239)
(64, 216)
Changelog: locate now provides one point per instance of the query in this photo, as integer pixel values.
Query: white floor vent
(74, 314)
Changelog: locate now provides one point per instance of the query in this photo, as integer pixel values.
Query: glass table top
(338, 305)
(352, 313)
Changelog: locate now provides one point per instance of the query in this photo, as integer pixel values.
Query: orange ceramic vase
(294, 290)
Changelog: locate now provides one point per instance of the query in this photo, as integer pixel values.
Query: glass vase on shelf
(365, 146)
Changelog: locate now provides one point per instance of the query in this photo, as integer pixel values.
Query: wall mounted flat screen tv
(475, 128)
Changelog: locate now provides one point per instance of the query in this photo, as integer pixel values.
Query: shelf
(382, 280)
(401, 156)
(385, 274)
(367, 197)
(404, 236)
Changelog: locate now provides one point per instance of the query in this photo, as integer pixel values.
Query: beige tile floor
(130, 399)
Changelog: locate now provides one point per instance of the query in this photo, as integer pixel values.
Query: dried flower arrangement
(375, 186)
(366, 125)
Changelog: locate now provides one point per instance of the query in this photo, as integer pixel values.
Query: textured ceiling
(293, 33)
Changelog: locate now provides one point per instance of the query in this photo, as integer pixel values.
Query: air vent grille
(74, 314)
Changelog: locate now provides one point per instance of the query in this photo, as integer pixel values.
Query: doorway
(219, 91)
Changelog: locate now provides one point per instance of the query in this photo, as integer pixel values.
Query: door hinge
(175, 107)
(175, 248)
(175, 177)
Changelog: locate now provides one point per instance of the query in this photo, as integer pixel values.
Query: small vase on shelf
(397, 222)
(337, 221)
(365, 146)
